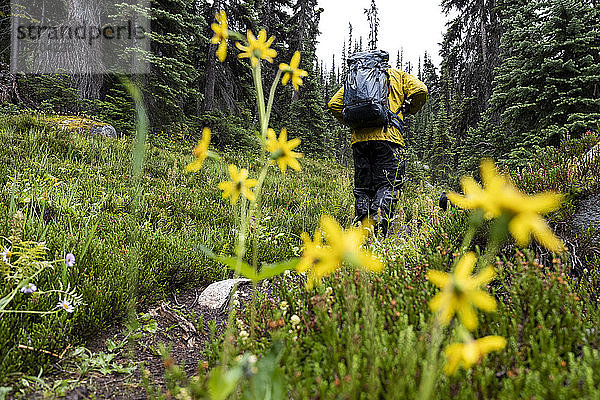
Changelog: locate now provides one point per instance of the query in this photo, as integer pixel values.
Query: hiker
(373, 102)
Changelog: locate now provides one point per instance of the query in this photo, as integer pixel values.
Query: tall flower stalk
(338, 247)
(461, 293)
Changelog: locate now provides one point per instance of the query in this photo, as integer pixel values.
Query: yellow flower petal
(293, 72)
(222, 51)
(281, 150)
(491, 343)
(470, 354)
(483, 301)
(239, 184)
(467, 354)
(369, 262)
(438, 278)
(295, 60)
(544, 235)
(465, 265)
(437, 301)
(460, 292)
(258, 48)
(320, 259)
(200, 152)
(454, 354)
(468, 317)
(484, 277)
(221, 35)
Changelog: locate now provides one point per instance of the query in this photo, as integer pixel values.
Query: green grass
(361, 335)
(76, 196)
(368, 336)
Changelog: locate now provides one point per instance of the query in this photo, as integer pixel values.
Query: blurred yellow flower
(342, 246)
(523, 225)
(500, 196)
(466, 354)
(488, 198)
(239, 184)
(257, 48)
(221, 35)
(293, 72)
(527, 220)
(461, 291)
(281, 150)
(311, 253)
(200, 152)
(347, 244)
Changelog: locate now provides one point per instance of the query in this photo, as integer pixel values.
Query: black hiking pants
(378, 176)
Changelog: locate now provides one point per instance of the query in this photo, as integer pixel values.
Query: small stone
(216, 295)
(107, 131)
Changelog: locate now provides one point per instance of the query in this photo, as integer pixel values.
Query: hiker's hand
(406, 106)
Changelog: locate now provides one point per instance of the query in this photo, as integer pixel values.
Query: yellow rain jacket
(403, 86)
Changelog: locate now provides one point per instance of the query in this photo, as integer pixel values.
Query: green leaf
(242, 267)
(4, 391)
(270, 270)
(269, 381)
(151, 326)
(222, 382)
(110, 345)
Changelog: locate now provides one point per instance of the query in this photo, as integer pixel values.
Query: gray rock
(216, 296)
(592, 155)
(587, 216)
(106, 130)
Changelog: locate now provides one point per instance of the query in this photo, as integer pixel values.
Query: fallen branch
(22, 346)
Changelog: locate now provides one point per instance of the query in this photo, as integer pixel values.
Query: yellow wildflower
(460, 292)
(200, 151)
(239, 184)
(500, 196)
(466, 354)
(527, 220)
(488, 198)
(257, 48)
(321, 259)
(347, 244)
(281, 150)
(293, 72)
(221, 35)
(314, 252)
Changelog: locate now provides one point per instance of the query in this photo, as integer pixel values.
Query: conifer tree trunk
(211, 64)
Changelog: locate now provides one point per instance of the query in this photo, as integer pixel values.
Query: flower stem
(240, 248)
(272, 97)
(260, 100)
(258, 209)
(429, 368)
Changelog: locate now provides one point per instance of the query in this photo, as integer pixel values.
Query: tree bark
(210, 72)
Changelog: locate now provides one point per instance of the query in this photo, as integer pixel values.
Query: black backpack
(366, 91)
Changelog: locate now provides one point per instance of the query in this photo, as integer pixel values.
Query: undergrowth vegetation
(360, 335)
(345, 312)
(74, 193)
(357, 335)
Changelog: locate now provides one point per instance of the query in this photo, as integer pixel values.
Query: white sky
(414, 25)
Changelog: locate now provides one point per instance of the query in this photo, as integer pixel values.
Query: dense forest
(515, 76)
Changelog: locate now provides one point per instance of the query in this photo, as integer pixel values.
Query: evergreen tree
(470, 53)
(546, 84)
(373, 18)
(350, 48)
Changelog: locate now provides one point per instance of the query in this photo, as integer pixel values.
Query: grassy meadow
(75, 194)
(358, 335)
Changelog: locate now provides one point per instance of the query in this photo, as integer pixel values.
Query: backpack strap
(393, 117)
(396, 121)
